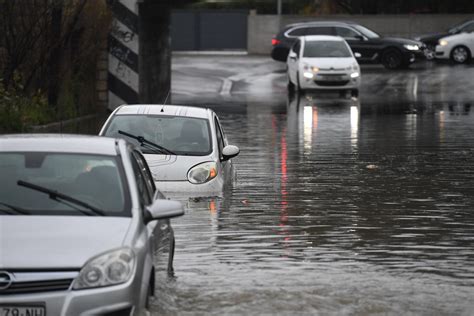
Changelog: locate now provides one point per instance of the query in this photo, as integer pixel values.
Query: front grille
(37, 286)
(327, 83)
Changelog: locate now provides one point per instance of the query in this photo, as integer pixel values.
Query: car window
(469, 28)
(297, 47)
(143, 192)
(95, 180)
(146, 172)
(220, 137)
(322, 49)
(297, 32)
(346, 32)
(180, 134)
(320, 30)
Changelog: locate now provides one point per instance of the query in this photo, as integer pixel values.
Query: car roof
(63, 143)
(166, 110)
(322, 38)
(315, 23)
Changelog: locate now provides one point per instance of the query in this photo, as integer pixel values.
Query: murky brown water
(339, 208)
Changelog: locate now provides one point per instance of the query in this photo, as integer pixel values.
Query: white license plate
(14, 310)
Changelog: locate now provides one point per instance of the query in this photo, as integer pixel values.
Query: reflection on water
(340, 208)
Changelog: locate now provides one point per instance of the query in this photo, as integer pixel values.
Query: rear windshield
(181, 135)
(322, 49)
(35, 183)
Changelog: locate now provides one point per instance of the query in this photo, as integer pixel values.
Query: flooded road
(341, 206)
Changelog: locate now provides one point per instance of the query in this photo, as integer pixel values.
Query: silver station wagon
(185, 147)
(79, 229)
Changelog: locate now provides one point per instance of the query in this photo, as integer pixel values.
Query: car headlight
(202, 173)
(411, 47)
(355, 75)
(308, 75)
(443, 42)
(111, 268)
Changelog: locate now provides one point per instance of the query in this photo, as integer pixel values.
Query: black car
(391, 52)
(431, 40)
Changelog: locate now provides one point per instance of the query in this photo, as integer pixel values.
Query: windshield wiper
(142, 140)
(13, 210)
(58, 196)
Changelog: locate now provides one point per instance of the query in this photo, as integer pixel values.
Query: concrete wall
(261, 28)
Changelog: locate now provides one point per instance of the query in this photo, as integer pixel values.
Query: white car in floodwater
(323, 63)
(185, 147)
(459, 47)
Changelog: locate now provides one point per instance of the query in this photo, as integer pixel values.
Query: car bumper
(330, 81)
(113, 300)
(442, 52)
(170, 189)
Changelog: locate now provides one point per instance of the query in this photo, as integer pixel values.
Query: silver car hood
(173, 168)
(48, 242)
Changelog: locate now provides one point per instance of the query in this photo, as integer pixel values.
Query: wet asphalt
(341, 206)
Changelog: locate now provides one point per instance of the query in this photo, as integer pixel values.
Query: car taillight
(275, 41)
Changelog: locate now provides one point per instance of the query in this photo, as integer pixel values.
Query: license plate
(331, 78)
(13, 310)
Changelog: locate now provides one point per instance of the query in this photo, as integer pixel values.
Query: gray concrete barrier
(261, 28)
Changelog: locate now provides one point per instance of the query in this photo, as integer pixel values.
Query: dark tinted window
(297, 47)
(297, 32)
(346, 32)
(326, 49)
(320, 30)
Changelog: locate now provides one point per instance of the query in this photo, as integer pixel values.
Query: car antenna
(166, 99)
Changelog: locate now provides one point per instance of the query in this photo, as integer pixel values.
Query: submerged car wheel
(392, 59)
(460, 54)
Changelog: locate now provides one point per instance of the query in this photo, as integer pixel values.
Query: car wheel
(460, 54)
(392, 59)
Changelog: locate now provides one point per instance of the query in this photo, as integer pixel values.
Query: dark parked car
(431, 40)
(391, 52)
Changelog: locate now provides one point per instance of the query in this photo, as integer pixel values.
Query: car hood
(402, 41)
(431, 37)
(173, 168)
(459, 37)
(49, 242)
(328, 63)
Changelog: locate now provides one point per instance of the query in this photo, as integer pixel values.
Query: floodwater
(340, 207)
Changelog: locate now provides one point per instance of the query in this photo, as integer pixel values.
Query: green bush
(18, 111)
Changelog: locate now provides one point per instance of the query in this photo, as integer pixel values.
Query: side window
(320, 30)
(346, 32)
(297, 32)
(145, 171)
(144, 194)
(296, 47)
(220, 137)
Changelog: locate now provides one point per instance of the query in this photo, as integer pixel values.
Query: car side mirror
(163, 209)
(359, 37)
(229, 151)
(293, 55)
(357, 55)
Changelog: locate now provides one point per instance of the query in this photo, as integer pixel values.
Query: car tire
(392, 59)
(430, 52)
(460, 54)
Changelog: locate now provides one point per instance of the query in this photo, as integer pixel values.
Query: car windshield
(36, 183)
(181, 135)
(328, 49)
(366, 32)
